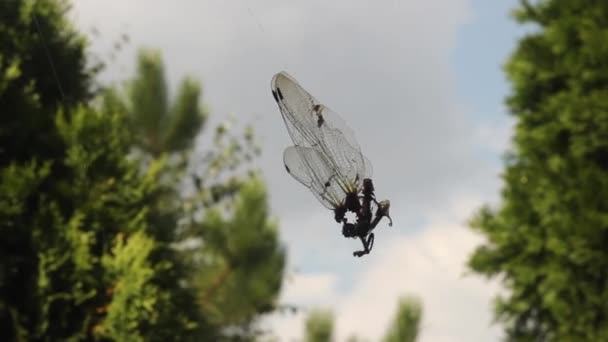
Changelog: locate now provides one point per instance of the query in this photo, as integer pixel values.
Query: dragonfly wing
(325, 145)
(296, 106)
(347, 161)
(310, 167)
(331, 120)
(306, 118)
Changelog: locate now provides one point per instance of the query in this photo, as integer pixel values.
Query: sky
(420, 82)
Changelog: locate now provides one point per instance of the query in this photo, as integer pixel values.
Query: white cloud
(307, 288)
(382, 65)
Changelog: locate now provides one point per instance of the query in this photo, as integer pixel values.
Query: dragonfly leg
(367, 245)
(370, 242)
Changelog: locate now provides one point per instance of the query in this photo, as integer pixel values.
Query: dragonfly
(327, 159)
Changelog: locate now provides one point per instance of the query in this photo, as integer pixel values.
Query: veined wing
(311, 124)
(330, 179)
(307, 119)
(311, 168)
(346, 162)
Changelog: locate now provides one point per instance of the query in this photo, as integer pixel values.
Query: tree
(43, 66)
(77, 259)
(73, 246)
(162, 126)
(319, 326)
(241, 264)
(405, 325)
(90, 238)
(547, 240)
(38, 161)
(145, 105)
(235, 261)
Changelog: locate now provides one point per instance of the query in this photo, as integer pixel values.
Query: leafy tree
(405, 326)
(76, 259)
(319, 326)
(43, 65)
(38, 163)
(74, 262)
(547, 240)
(90, 235)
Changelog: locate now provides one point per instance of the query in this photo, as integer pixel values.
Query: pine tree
(547, 240)
(319, 326)
(405, 325)
(236, 264)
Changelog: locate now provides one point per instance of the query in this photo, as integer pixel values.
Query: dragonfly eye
(287, 168)
(280, 94)
(320, 120)
(274, 94)
(317, 109)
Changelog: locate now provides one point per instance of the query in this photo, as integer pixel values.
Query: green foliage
(134, 296)
(243, 260)
(59, 218)
(218, 239)
(319, 326)
(406, 324)
(160, 125)
(548, 239)
(43, 287)
(92, 235)
(355, 338)
(36, 39)
(404, 327)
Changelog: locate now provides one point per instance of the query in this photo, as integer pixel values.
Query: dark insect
(327, 159)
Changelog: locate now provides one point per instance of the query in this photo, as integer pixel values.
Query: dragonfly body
(327, 159)
(364, 225)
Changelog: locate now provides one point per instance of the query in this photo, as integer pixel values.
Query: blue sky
(482, 48)
(421, 84)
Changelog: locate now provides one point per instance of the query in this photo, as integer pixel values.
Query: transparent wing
(309, 167)
(311, 124)
(306, 118)
(345, 161)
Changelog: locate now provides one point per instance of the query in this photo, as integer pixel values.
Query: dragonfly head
(349, 230)
(383, 210)
(368, 186)
(384, 205)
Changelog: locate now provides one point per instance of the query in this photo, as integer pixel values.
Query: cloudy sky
(420, 84)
